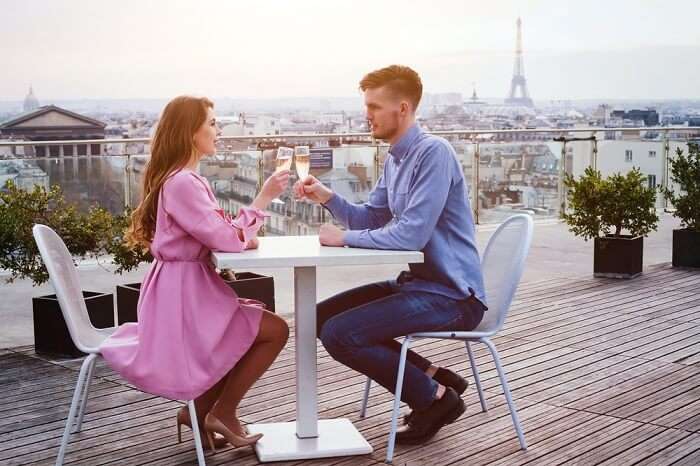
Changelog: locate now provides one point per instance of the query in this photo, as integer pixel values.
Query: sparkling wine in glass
(283, 162)
(302, 160)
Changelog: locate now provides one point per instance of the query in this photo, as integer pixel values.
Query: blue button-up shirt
(420, 204)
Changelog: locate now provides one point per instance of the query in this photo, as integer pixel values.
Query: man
(419, 203)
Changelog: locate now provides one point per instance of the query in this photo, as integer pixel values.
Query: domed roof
(31, 102)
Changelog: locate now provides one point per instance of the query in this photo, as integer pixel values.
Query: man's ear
(404, 108)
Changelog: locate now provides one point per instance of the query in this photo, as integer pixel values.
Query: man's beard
(384, 135)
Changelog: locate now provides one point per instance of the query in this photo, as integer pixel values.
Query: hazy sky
(137, 48)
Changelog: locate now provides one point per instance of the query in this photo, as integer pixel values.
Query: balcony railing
(508, 171)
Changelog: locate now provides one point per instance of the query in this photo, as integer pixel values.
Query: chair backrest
(64, 278)
(502, 266)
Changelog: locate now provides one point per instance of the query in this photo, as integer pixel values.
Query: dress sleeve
(249, 221)
(186, 201)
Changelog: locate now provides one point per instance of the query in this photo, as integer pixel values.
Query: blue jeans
(358, 328)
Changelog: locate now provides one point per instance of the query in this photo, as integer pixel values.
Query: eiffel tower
(518, 83)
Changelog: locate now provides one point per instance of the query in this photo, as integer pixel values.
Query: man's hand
(312, 189)
(331, 235)
(253, 243)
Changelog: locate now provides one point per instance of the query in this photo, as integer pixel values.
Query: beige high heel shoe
(213, 425)
(183, 418)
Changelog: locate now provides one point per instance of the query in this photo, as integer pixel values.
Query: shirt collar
(400, 149)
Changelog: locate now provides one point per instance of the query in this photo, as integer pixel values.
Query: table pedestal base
(336, 437)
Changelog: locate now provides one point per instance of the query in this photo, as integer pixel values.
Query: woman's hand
(253, 243)
(275, 185)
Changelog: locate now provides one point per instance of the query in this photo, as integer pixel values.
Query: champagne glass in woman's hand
(283, 163)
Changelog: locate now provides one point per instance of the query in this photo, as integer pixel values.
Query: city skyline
(245, 50)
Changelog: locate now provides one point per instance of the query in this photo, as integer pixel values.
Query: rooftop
(602, 371)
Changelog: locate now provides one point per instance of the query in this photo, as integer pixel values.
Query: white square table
(308, 437)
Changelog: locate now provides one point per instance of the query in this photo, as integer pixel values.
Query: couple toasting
(196, 340)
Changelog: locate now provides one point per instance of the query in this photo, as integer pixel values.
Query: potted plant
(86, 234)
(617, 212)
(685, 172)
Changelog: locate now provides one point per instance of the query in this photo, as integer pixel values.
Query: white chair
(64, 278)
(502, 266)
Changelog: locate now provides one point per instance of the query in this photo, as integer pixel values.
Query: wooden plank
(601, 371)
(673, 453)
(647, 448)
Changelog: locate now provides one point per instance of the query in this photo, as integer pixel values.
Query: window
(628, 156)
(652, 154)
(651, 180)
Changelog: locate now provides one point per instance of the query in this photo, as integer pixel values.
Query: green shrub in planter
(86, 234)
(616, 212)
(685, 171)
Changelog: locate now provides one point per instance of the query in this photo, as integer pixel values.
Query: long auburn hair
(172, 148)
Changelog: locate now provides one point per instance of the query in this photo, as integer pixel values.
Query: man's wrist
(350, 237)
(328, 199)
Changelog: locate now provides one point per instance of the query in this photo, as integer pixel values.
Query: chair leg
(397, 399)
(477, 379)
(86, 394)
(74, 407)
(365, 398)
(195, 433)
(506, 392)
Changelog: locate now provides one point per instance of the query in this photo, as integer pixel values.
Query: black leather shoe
(447, 378)
(426, 423)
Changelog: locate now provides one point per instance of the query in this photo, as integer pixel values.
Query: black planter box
(686, 248)
(618, 257)
(50, 331)
(253, 286)
(127, 301)
(247, 285)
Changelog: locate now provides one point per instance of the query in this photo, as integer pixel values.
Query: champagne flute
(302, 160)
(283, 162)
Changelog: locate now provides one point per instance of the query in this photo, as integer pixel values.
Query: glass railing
(507, 171)
(85, 181)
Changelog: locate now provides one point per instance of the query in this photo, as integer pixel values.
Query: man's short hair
(402, 80)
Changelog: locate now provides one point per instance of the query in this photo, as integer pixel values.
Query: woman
(195, 340)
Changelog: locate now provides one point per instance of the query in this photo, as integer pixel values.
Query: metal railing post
(475, 182)
(261, 181)
(562, 170)
(376, 160)
(665, 176)
(594, 153)
(127, 182)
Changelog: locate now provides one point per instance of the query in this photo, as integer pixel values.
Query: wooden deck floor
(602, 371)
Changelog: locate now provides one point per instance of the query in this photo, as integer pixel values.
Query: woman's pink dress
(192, 329)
